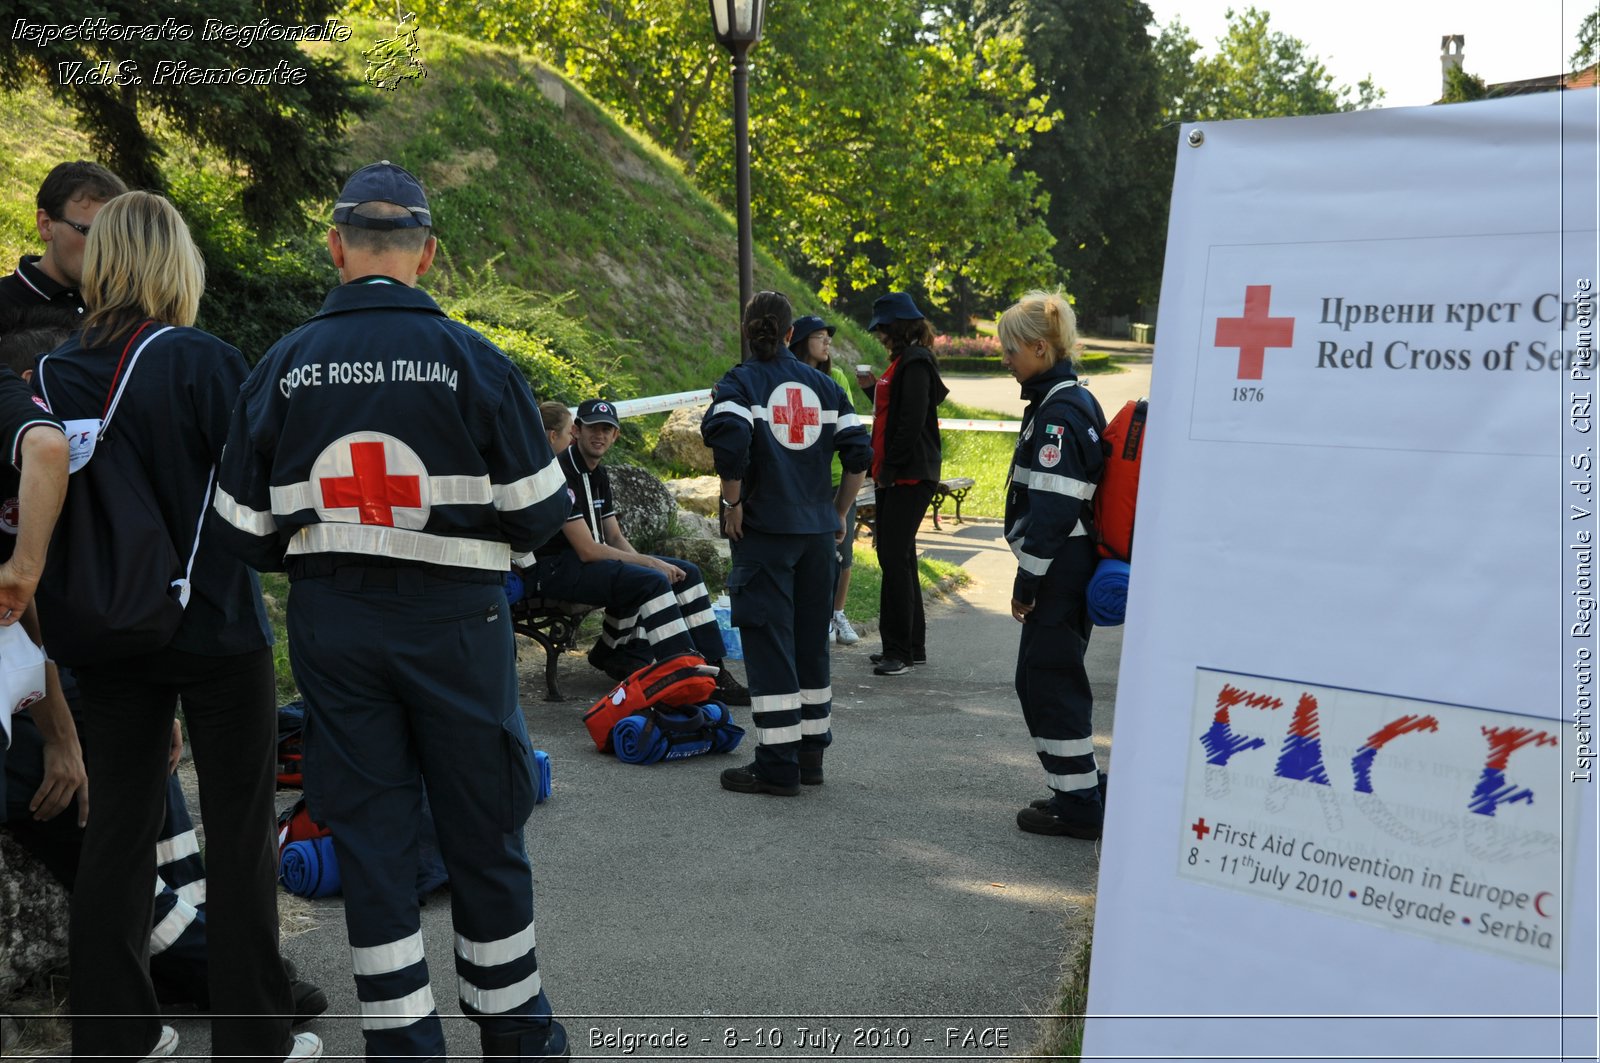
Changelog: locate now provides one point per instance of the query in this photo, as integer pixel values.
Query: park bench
(554, 625)
(955, 487)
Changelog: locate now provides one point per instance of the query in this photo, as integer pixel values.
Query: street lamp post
(737, 24)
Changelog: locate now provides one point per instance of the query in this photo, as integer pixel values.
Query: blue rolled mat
(1108, 592)
(309, 868)
(541, 768)
(629, 740)
(515, 591)
(725, 734)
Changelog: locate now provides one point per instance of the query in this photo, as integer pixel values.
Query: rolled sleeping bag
(541, 769)
(1107, 593)
(636, 740)
(310, 869)
(725, 734)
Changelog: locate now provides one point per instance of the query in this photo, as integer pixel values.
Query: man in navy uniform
(68, 200)
(392, 461)
(656, 607)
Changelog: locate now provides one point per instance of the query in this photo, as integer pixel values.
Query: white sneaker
(843, 631)
(166, 1044)
(306, 1046)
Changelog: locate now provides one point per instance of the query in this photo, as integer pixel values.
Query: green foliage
(1106, 162)
(280, 136)
(948, 347)
(1462, 87)
(1256, 72)
(1588, 51)
(883, 147)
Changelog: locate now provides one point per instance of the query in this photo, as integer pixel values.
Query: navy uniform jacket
(1054, 472)
(381, 432)
(174, 416)
(775, 425)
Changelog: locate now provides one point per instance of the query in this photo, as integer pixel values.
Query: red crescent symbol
(1539, 897)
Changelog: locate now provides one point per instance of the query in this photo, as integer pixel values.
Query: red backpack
(1117, 497)
(682, 680)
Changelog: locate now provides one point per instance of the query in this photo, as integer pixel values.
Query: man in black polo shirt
(68, 200)
(656, 607)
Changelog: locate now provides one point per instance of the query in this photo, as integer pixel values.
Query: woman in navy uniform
(1057, 464)
(141, 272)
(773, 426)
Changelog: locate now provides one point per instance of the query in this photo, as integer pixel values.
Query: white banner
(1352, 811)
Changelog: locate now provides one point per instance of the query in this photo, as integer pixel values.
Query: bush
(947, 347)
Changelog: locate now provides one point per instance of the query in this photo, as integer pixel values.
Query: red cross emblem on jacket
(365, 477)
(795, 413)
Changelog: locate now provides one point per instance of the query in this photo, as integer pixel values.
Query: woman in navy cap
(812, 343)
(773, 426)
(906, 463)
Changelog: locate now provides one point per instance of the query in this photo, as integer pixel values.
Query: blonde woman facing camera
(1055, 469)
(142, 281)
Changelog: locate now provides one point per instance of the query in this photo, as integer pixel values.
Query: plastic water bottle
(731, 642)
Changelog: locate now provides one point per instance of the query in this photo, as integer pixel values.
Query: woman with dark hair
(773, 427)
(906, 464)
(142, 282)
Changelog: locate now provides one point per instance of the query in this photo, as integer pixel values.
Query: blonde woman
(142, 274)
(557, 425)
(1056, 466)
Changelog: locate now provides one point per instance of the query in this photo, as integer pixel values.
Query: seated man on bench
(655, 607)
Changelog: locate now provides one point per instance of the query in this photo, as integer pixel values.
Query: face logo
(37, 401)
(8, 516)
(371, 478)
(1049, 455)
(795, 415)
(29, 699)
(601, 407)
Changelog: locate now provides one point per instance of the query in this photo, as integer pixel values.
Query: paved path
(1001, 394)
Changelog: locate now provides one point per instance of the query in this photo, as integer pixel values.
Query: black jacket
(910, 439)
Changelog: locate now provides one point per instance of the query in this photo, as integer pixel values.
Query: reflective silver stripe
(733, 408)
(1022, 476)
(829, 417)
(1034, 566)
(850, 420)
(400, 543)
(815, 727)
(773, 702)
(1061, 485)
(497, 1001)
(386, 959)
(816, 697)
(704, 616)
(656, 604)
(402, 1011)
(251, 521)
(176, 847)
(171, 928)
(192, 892)
(777, 736)
(1065, 747)
(460, 491)
(442, 491)
(520, 494)
(494, 953)
(666, 631)
(1087, 780)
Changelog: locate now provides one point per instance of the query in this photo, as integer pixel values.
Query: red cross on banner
(796, 414)
(371, 489)
(1200, 829)
(1255, 331)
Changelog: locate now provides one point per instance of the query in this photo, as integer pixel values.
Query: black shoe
(616, 666)
(916, 658)
(1100, 784)
(746, 781)
(309, 1000)
(1045, 821)
(546, 1044)
(811, 767)
(890, 666)
(729, 690)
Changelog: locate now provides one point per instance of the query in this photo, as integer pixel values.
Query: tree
(1462, 87)
(282, 134)
(883, 145)
(1588, 43)
(1106, 162)
(1256, 72)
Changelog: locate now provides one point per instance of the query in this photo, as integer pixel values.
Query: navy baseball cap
(805, 326)
(598, 411)
(896, 306)
(382, 182)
